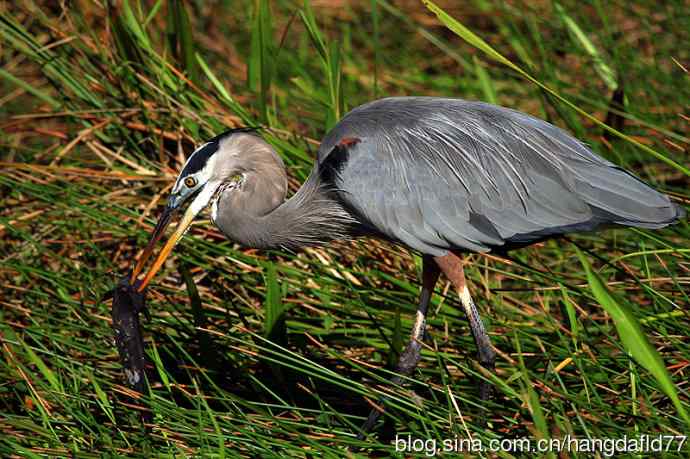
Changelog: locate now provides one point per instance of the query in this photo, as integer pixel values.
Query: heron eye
(190, 182)
(236, 178)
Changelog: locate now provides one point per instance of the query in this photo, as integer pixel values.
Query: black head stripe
(200, 157)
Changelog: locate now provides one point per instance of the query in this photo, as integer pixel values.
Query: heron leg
(411, 355)
(451, 265)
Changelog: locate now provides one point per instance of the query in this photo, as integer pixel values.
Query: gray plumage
(255, 213)
(434, 174)
(439, 174)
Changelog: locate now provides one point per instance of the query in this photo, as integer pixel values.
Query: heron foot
(406, 365)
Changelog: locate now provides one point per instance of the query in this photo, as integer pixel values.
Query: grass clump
(273, 354)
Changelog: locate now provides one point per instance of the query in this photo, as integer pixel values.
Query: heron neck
(311, 217)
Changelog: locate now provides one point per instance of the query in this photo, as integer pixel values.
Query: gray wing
(439, 174)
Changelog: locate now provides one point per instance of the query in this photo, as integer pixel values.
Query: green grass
(274, 354)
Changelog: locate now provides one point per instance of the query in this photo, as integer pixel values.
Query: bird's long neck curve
(311, 217)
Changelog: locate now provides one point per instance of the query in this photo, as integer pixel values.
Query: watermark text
(640, 444)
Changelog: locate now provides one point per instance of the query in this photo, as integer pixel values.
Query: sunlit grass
(275, 354)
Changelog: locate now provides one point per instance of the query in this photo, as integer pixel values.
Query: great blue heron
(441, 176)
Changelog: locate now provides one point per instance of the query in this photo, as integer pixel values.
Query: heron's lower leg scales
(410, 357)
(487, 359)
(451, 265)
(485, 352)
(412, 354)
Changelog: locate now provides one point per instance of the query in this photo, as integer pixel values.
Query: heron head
(219, 165)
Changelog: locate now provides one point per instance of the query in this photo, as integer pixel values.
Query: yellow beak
(201, 200)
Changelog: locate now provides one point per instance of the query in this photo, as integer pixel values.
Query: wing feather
(439, 174)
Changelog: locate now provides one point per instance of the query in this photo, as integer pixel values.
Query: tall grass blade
(180, 38)
(225, 95)
(531, 398)
(603, 69)
(260, 65)
(102, 399)
(375, 22)
(128, 36)
(47, 373)
(485, 82)
(330, 61)
(29, 88)
(274, 309)
(633, 338)
(473, 39)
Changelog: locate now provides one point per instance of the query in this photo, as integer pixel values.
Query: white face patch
(204, 197)
(214, 210)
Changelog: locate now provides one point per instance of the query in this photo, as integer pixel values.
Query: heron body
(436, 175)
(444, 174)
(440, 176)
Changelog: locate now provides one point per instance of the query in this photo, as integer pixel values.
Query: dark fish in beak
(127, 304)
